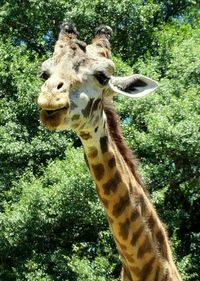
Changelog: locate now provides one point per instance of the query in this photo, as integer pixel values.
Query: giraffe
(77, 94)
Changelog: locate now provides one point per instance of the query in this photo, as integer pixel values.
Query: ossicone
(104, 31)
(69, 28)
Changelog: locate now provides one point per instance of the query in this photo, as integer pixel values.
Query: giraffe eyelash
(102, 78)
(44, 75)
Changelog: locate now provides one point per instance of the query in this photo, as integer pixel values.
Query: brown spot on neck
(136, 235)
(112, 162)
(93, 152)
(161, 243)
(124, 229)
(135, 215)
(98, 170)
(145, 272)
(144, 248)
(112, 184)
(151, 222)
(122, 204)
(104, 144)
(85, 135)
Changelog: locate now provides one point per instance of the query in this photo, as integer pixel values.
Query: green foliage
(52, 226)
(48, 218)
(101, 267)
(135, 23)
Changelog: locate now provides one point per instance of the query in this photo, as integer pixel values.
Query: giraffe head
(78, 77)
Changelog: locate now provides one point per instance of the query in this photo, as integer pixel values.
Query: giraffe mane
(116, 135)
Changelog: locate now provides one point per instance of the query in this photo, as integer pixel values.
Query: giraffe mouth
(53, 118)
(49, 113)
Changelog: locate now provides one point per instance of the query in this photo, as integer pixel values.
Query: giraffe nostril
(60, 85)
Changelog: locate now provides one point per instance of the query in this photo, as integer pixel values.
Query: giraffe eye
(102, 78)
(44, 75)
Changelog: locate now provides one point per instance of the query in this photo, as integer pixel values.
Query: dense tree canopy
(52, 226)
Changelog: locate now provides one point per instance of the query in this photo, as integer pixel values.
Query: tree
(51, 224)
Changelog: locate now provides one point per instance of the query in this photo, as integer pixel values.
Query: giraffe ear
(134, 86)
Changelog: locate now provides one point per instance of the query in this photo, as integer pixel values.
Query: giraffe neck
(139, 234)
